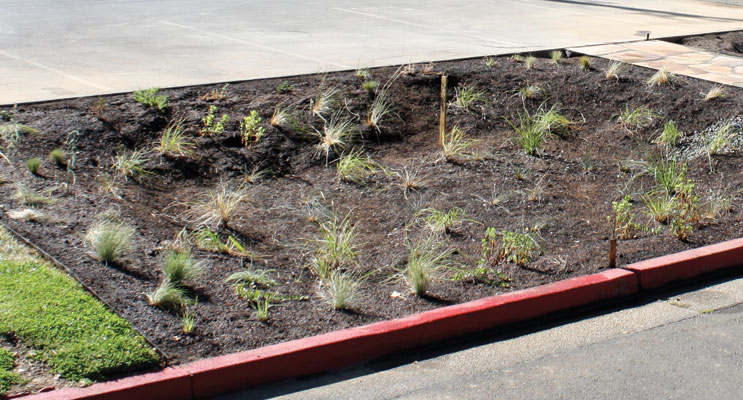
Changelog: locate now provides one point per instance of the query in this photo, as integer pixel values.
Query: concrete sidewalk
(683, 344)
(67, 48)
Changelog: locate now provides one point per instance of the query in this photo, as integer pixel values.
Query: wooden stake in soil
(442, 112)
(612, 252)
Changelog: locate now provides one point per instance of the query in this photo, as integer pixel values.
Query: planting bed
(578, 173)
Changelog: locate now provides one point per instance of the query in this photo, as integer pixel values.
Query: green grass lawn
(77, 336)
(7, 377)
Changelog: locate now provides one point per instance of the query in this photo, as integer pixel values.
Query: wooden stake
(612, 252)
(442, 112)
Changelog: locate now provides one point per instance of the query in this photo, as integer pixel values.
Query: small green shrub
(150, 98)
(211, 126)
(110, 240)
(585, 63)
(530, 61)
(518, 247)
(33, 164)
(670, 135)
(251, 130)
(614, 69)
(556, 56)
(489, 61)
(623, 219)
(284, 87)
(253, 277)
(28, 197)
(636, 118)
(217, 206)
(530, 133)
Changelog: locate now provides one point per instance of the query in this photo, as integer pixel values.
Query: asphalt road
(68, 48)
(686, 344)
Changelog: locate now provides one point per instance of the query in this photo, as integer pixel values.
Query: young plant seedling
(336, 135)
(168, 296)
(441, 222)
(341, 290)
(669, 136)
(251, 130)
(662, 77)
(28, 197)
(467, 96)
(530, 61)
(181, 269)
(585, 63)
(217, 207)
(150, 98)
(489, 61)
(556, 56)
(531, 91)
(336, 246)
(637, 118)
(410, 180)
(370, 87)
(518, 247)
(284, 87)
(324, 103)
(622, 220)
(212, 127)
(382, 106)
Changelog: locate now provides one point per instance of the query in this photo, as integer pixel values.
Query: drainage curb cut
(332, 350)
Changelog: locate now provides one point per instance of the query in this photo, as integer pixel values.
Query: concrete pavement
(54, 49)
(683, 344)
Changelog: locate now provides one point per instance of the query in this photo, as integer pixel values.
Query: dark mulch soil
(580, 175)
(730, 43)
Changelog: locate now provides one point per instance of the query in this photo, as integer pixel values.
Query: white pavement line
(260, 46)
(427, 27)
(56, 71)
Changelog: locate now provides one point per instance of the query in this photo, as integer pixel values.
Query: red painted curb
(169, 383)
(321, 353)
(687, 264)
(335, 349)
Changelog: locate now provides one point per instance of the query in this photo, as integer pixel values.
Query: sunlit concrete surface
(66, 48)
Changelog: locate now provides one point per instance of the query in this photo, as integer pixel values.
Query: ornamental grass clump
(174, 141)
(181, 268)
(355, 167)
(217, 207)
(110, 240)
(427, 257)
(341, 290)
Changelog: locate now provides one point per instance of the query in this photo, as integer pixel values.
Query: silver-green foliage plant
(251, 130)
(427, 257)
(442, 222)
(341, 290)
(150, 98)
(335, 247)
(29, 197)
(457, 147)
(336, 135)
(636, 118)
(253, 276)
(217, 206)
(110, 240)
(722, 137)
(175, 142)
(130, 163)
(466, 96)
(181, 268)
(11, 134)
(382, 106)
(355, 167)
(212, 126)
(59, 156)
(168, 296)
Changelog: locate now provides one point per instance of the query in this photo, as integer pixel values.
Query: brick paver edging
(332, 350)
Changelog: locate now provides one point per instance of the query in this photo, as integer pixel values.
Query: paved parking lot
(67, 48)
